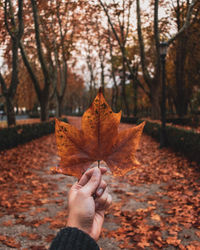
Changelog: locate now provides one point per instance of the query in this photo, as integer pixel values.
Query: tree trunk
(155, 102)
(114, 100)
(115, 87)
(102, 77)
(60, 107)
(11, 121)
(135, 98)
(44, 105)
(15, 31)
(125, 100)
(124, 84)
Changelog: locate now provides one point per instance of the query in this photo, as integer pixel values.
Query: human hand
(85, 211)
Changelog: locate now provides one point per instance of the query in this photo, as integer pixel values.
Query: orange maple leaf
(97, 140)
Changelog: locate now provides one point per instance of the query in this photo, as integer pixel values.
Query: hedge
(37, 115)
(192, 121)
(180, 140)
(13, 136)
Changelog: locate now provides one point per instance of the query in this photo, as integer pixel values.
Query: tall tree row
(149, 43)
(112, 44)
(13, 31)
(182, 50)
(45, 48)
(53, 45)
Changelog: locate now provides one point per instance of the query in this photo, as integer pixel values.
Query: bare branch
(186, 24)
(133, 74)
(38, 42)
(128, 25)
(156, 35)
(141, 43)
(11, 13)
(20, 19)
(63, 73)
(6, 19)
(30, 70)
(110, 22)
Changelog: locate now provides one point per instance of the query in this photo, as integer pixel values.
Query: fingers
(109, 201)
(101, 188)
(104, 201)
(95, 178)
(87, 175)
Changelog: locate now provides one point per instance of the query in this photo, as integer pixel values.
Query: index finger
(87, 175)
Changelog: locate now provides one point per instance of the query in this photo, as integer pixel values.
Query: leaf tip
(142, 124)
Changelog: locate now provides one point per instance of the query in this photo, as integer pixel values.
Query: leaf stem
(98, 163)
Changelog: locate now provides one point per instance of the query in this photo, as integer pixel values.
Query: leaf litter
(155, 206)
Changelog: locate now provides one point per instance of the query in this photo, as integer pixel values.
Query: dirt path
(155, 206)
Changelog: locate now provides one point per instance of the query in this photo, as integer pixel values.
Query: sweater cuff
(72, 238)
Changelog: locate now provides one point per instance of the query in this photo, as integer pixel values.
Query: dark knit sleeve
(71, 238)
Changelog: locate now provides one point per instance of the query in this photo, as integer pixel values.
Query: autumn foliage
(97, 140)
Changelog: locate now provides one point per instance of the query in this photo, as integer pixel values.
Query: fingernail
(99, 191)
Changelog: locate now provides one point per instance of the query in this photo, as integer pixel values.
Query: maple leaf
(97, 140)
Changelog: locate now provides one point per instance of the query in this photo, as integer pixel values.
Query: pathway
(155, 206)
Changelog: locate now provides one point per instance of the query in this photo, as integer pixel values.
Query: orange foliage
(97, 140)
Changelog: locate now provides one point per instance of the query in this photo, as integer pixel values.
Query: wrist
(81, 226)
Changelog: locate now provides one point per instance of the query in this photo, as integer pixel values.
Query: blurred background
(145, 55)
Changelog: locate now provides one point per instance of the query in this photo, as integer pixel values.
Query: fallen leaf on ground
(9, 241)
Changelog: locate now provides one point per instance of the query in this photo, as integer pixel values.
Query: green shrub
(131, 120)
(180, 140)
(184, 141)
(11, 137)
(36, 114)
(192, 121)
(75, 114)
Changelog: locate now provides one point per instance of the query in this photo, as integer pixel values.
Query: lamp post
(163, 53)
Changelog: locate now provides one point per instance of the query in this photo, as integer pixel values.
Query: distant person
(87, 201)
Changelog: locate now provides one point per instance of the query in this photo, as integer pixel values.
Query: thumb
(91, 186)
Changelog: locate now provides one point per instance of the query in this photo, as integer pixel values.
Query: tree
(115, 91)
(150, 66)
(74, 95)
(42, 92)
(90, 60)
(121, 32)
(152, 80)
(54, 33)
(62, 47)
(15, 30)
(101, 48)
(25, 94)
(182, 47)
(153, 83)
(88, 47)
